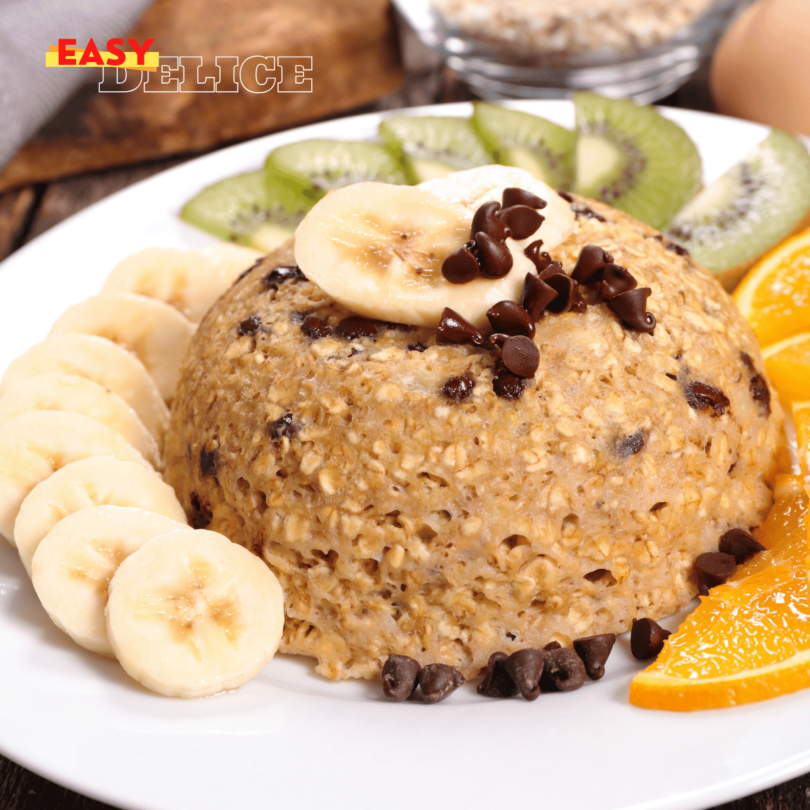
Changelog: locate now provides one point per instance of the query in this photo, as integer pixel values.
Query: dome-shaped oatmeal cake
(401, 520)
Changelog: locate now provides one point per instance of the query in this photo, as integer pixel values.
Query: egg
(761, 68)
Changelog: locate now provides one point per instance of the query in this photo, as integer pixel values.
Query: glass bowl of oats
(642, 49)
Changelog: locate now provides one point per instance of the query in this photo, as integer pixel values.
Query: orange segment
(775, 295)
(801, 416)
(787, 364)
(750, 638)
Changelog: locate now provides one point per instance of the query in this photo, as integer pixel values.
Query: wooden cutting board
(355, 60)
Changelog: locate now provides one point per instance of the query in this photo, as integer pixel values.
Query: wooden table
(30, 211)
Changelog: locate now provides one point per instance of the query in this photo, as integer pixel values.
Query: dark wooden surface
(29, 211)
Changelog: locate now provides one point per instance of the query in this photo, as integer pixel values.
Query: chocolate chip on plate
(704, 397)
(536, 296)
(647, 638)
(485, 220)
(563, 671)
(525, 667)
(590, 263)
(713, 568)
(437, 681)
(631, 307)
(453, 329)
(510, 318)
(459, 388)
(522, 220)
(356, 326)
(615, 280)
(494, 257)
(315, 328)
(519, 196)
(249, 326)
(740, 544)
(497, 683)
(461, 266)
(521, 356)
(594, 652)
(399, 677)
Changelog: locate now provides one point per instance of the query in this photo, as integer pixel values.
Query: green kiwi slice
(751, 208)
(529, 142)
(308, 169)
(434, 146)
(634, 159)
(244, 209)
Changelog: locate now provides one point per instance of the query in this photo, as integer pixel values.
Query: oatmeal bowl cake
(448, 470)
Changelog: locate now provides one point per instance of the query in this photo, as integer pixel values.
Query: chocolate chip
(496, 339)
(416, 347)
(485, 220)
(249, 326)
(315, 329)
(300, 315)
(525, 668)
(201, 515)
(249, 270)
(631, 307)
(356, 326)
(712, 569)
(459, 388)
(563, 671)
(540, 259)
(552, 645)
(522, 220)
(658, 505)
(497, 682)
(399, 677)
(536, 296)
(647, 638)
(630, 445)
(671, 246)
(703, 397)
(437, 681)
(760, 393)
(284, 272)
(209, 462)
(582, 210)
(591, 261)
(283, 426)
(521, 356)
(740, 545)
(493, 256)
(453, 329)
(519, 196)
(461, 266)
(615, 280)
(749, 363)
(510, 318)
(507, 385)
(568, 298)
(594, 652)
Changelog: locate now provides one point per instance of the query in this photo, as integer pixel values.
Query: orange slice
(787, 364)
(801, 416)
(750, 638)
(775, 295)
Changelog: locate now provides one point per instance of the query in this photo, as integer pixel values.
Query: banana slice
(378, 250)
(189, 280)
(473, 187)
(157, 333)
(67, 392)
(95, 481)
(36, 444)
(74, 564)
(101, 361)
(192, 614)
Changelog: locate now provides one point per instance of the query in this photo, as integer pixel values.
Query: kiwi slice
(751, 208)
(308, 169)
(634, 159)
(434, 146)
(244, 209)
(529, 142)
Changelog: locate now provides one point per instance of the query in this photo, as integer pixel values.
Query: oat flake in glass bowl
(643, 49)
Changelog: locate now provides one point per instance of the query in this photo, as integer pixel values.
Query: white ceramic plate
(290, 738)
